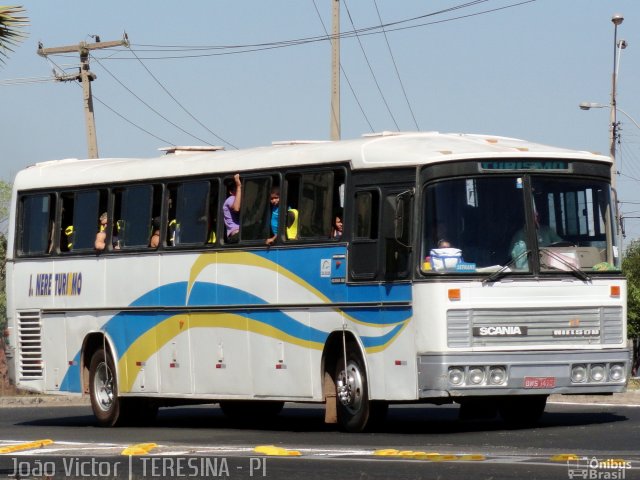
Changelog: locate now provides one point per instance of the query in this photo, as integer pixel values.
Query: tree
(631, 269)
(12, 23)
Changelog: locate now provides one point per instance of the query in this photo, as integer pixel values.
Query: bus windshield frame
(518, 222)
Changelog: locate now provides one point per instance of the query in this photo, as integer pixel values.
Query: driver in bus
(546, 235)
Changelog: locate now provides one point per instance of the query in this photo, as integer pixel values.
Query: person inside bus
(231, 209)
(337, 227)
(274, 199)
(546, 234)
(154, 241)
(101, 237)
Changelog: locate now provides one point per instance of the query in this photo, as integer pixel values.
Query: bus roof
(383, 150)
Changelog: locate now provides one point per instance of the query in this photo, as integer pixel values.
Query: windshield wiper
(498, 273)
(572, 268)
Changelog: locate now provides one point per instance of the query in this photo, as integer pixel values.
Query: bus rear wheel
(103, 389)
(355, 411)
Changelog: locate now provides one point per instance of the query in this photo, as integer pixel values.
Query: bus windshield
(520, 223)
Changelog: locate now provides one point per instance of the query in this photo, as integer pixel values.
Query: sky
(500, 67)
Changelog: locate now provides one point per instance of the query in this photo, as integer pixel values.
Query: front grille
(29, 346)
(566, 326)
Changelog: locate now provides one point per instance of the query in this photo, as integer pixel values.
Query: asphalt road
(415, 442)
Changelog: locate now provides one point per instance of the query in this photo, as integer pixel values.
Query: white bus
(474, 269)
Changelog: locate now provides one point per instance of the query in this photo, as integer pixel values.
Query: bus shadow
(400, 420)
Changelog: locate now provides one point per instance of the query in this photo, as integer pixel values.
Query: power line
(122, 116)
(249, 48)
(132, 123)
(395, 66)
(386, 104)
(22, 81)
(181, 106)
(150, 107)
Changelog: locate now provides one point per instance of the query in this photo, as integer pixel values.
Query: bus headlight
(579, 374)
(456, 376)
(616, 372)
(497, 375)
(476, 376)
(597, 373)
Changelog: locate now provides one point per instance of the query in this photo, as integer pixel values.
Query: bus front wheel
(103, 389)
(355, 410)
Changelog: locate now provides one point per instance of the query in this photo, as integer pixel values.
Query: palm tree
(12, 21)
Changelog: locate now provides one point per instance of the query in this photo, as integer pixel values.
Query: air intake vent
(29, 346)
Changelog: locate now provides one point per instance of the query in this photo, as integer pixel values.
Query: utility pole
(335, 72)
(86, 77)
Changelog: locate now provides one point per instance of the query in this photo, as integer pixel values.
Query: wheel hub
(103, 384)
(349, 387)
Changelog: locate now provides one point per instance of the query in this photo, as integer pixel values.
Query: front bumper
(544, 372)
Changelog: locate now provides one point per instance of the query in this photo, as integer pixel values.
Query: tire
(522, 411)
(103, 389)
(251, 409)
(355, 411)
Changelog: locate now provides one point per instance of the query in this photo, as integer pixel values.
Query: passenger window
(37, 224)
(316, 198)
(137, 211)
(189, 221)
(255, 210)
(86, 208)
(66, 222)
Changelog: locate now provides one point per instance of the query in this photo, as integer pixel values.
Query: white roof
(388, 149)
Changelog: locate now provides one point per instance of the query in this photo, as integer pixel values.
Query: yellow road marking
(26, 446)
(276, 451)
(139, 449)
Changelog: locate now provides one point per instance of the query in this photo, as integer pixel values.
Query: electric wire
(149, 106)
(353, 92)
(132, 123)
(288, 43)
(373, 75)
(26, 80)
(122, 116)
(181, 106)
(395, 66)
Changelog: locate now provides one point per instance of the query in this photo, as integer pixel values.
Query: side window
(37, 224)
(87, 208)
(315, 202)
(255, 218)
(190, 221)
(137, 213)
(367, 204)
(65, 240)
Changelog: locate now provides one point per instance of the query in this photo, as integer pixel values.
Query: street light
(590, 105)
(617, 19)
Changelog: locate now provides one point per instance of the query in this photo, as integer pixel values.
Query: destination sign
(517, 165)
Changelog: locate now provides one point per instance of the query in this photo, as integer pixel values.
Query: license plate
(539, 382)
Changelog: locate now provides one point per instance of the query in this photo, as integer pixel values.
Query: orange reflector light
(615, 291)
(454, 294)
